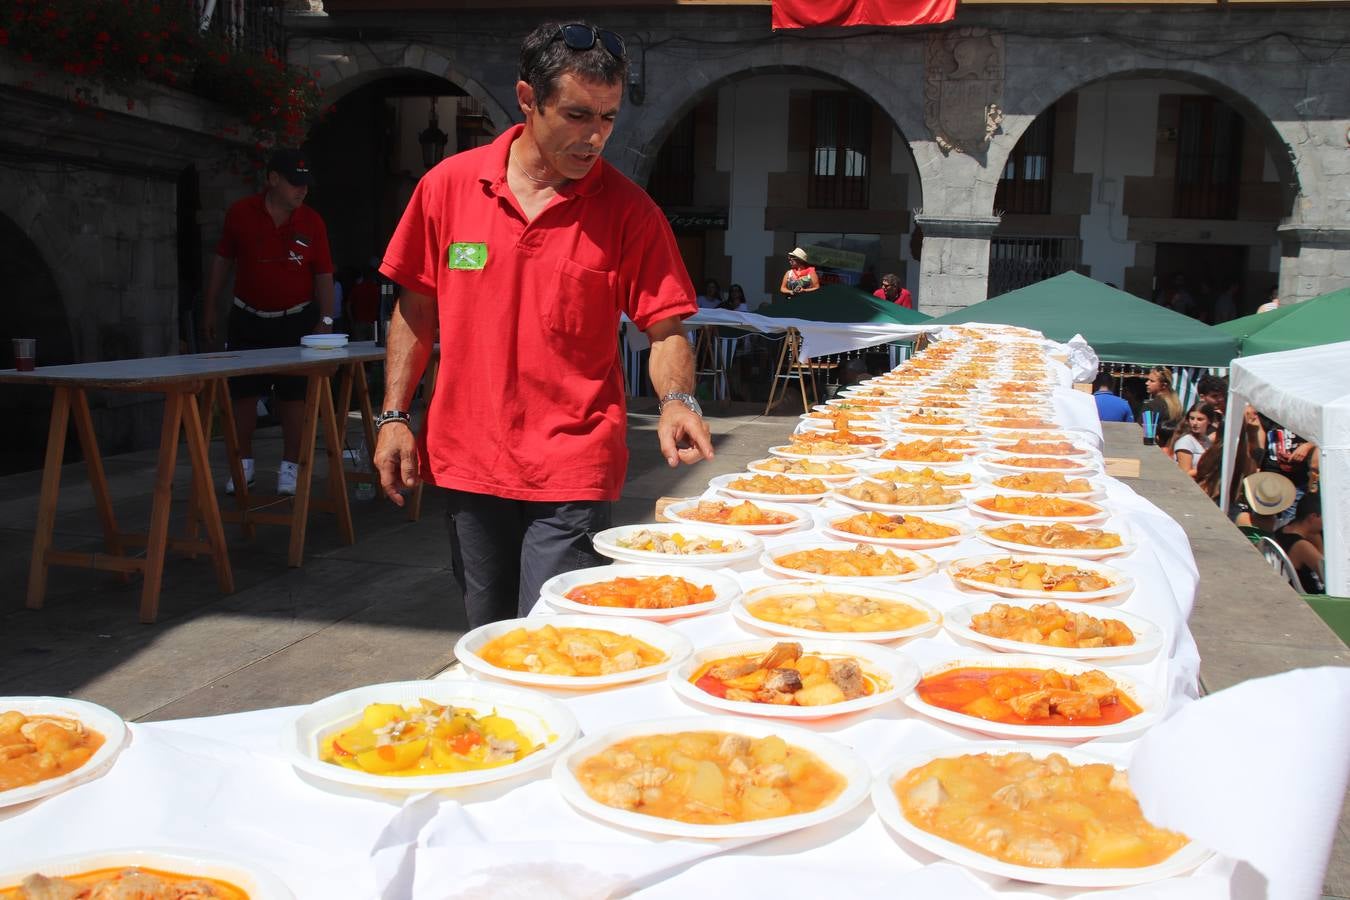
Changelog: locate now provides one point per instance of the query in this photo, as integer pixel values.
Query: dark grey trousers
(502, 551)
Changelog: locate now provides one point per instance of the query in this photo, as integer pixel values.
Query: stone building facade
(959, 97)
(107, 202)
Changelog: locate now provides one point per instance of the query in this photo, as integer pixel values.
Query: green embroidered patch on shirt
(467, 256)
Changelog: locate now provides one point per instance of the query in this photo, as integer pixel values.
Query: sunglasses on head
(583, 37)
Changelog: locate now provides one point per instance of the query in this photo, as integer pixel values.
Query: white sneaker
(248, 476)
(286, 477)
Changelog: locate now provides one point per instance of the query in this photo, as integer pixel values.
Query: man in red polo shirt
(279, 247)
(893, 292)
(525, 252)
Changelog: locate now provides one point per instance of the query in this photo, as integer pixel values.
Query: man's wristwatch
(327, 320)
(392, 415)
(687, 399)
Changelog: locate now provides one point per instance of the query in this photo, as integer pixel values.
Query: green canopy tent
(1119, 326)
(841, 303)
(1321, 320)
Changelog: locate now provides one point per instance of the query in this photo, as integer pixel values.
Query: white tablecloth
(222, 783)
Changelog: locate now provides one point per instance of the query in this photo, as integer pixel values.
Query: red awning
(810, 13)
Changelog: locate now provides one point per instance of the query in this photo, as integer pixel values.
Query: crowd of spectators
(1275, 473)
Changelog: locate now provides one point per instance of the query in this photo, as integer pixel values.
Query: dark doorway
(34, 309)
(1205, 270)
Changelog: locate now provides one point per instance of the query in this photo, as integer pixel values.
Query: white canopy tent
(1307, 391)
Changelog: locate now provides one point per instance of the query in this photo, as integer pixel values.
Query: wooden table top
(158, 370)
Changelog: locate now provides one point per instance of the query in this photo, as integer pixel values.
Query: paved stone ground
(386, 608)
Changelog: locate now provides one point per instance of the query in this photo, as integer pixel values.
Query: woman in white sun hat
(1267, 494)
(800, 278)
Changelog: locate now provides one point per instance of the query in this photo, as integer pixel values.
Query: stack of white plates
(324, 341)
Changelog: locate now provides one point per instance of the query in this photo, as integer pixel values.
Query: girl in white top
(1195, 436)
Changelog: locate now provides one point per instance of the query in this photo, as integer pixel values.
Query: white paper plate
(888, 807)
(758, 466)
(1127, 545)
(839, 495)
(864, 403)
(1095, 490)
(95, 717)
(1147, 636)
(877, 469)
(818, 426)
(788, 453)
(543, 719)
(1078, 451)
(973, 504)
(725, 590)
(722, 484)
(1150, 704)
(800, 517)
(1035, 431)
(674, 645)
(740, 611)
(1122, 585)
(963, 531)
(998, 463)
(324, 341)
(926, 565)
(249, 877)
(835, 755)
(607, 544)
(896, 671)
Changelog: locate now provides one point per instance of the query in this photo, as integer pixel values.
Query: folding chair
(1279, 561)
(709, 363)
(791, 367)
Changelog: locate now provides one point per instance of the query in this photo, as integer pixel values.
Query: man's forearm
(215, 283)
(671, 366)
(323, 292)
(408, 345)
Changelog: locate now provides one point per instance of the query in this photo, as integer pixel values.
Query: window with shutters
(841, 141)
(1209, 159)
(1025, 184)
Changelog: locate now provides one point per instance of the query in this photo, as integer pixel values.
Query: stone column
(954, 267)
(1313, 261)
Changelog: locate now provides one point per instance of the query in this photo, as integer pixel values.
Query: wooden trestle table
(193, 385)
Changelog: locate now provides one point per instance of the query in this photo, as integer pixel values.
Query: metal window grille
(672, 179)
(254, 25)
(1209, 159)
(841, 143)
(1018, 262)
(1025, 184)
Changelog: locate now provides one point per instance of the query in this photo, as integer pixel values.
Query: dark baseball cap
(290, 164)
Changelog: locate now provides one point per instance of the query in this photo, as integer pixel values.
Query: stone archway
(345, 67)
(759, 117)
(1303, 137)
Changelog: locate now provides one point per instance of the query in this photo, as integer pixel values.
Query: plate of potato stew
(1040, 577)
(816, 610)
(572, 652)
(1032, 812)
(794, 679)
(1055, 628)
(703, 777)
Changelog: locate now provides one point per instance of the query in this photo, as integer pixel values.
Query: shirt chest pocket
(583, 305)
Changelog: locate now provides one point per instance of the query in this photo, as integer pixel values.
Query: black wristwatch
(680, 396)
(392, 415)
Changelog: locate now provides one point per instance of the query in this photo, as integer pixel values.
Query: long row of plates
(896, 409)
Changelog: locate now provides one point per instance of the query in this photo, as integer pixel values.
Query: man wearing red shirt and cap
(279, 247)
(525, 252)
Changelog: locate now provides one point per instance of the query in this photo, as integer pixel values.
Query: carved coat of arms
(963, 89)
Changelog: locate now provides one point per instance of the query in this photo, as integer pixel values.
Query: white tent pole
(1237, 405)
